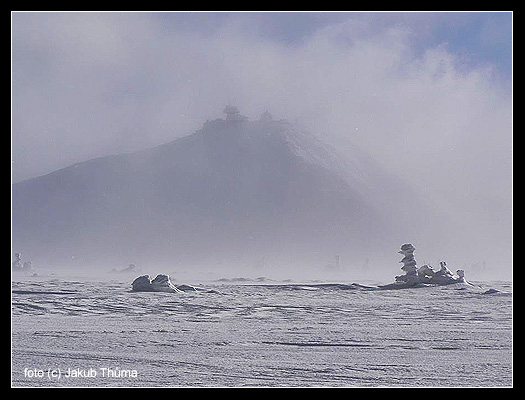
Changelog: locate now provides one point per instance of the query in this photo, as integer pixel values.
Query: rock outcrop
(423, 276)
(161, 283)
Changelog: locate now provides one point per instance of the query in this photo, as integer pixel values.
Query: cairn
(409, 264)
(423, 276)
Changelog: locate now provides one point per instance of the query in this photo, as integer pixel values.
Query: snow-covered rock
(161, 283)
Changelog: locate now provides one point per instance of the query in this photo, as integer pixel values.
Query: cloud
(92, 84)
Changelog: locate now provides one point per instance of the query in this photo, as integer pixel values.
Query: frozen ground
(258, 334)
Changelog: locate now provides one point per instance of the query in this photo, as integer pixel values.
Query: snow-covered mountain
(235, 190)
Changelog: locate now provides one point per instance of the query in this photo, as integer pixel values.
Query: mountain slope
(233, 191)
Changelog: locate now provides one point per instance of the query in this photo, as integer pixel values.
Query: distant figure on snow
(18, 265)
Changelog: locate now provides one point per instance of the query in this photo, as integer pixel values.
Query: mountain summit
(235, 190)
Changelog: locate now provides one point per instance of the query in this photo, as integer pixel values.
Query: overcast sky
(427, 94)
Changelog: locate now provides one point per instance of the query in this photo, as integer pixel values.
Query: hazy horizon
(426, 95)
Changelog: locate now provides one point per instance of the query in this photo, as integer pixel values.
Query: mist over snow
(384, 115)
(235, 192)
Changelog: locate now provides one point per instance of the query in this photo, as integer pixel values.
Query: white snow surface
(243, 332)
